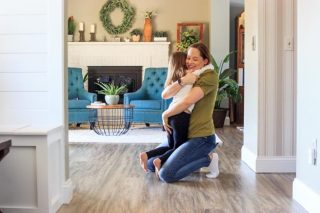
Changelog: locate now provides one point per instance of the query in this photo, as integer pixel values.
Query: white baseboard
(67, 191)
(65, 196)
(268, 164)
(305, 196)
(276, 164)
(249, 158)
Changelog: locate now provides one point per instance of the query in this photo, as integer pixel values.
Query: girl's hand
(165, 123)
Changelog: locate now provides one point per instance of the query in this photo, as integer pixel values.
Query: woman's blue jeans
(187, 158)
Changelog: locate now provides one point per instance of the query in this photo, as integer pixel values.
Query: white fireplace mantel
(145, 54)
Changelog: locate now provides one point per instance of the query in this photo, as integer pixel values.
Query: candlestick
(81, 26)
(81, 36)
(92, 37)
(92, 28)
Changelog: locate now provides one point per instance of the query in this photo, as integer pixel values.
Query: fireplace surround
(128, 75)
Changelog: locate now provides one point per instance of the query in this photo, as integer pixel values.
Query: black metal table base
(111, 121)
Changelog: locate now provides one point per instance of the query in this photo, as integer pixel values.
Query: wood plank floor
(108, 178)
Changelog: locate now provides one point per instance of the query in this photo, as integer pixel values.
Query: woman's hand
(165, 123)
(189, 78)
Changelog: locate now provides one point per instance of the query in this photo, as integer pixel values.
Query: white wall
(31, 61)
(307, 184)
(219, 28)
(269, 122)
(32, 78)
(250, 136)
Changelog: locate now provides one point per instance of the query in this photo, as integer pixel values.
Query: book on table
(98, 103)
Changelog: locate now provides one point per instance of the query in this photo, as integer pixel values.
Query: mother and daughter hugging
(192, 83)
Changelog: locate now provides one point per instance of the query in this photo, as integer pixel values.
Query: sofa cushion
(147, 104)
(78, 104)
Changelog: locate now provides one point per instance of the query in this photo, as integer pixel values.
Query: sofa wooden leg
(78, 124)
(147, 124)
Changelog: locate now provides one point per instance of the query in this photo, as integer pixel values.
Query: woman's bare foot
(143, 161)
(157, 165)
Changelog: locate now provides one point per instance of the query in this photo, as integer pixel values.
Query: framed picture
(181, 27)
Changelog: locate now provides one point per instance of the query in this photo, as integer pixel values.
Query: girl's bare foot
(143, 161)
(157, 165)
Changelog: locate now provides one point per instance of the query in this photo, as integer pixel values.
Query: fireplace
(128, 75)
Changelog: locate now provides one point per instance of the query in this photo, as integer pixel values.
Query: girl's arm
(171, 90)
(174, 87)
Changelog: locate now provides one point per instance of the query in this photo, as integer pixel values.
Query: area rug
(136, 134)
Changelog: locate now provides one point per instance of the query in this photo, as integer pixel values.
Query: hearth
(128, 75)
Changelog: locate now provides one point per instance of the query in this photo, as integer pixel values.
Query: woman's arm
(173, 88)
(193, 96)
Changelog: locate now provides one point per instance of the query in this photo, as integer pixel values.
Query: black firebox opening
(131, 76)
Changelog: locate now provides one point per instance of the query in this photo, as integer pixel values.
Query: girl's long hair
(177, 67)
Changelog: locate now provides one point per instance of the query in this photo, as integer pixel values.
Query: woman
(193, 154)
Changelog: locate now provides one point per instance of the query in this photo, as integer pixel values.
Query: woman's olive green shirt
(201, 123)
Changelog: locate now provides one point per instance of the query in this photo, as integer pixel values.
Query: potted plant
(187, 38)
(160, 36)
(228, 88)
(136, 34)
(111, 92)
(71, 28)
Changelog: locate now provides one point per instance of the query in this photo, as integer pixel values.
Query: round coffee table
(111, 119)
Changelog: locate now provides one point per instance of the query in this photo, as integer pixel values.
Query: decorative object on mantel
(111, 91)
(71, 28)
(81, 32)
(108, 8)
(92, 32)
(189, 33)
(147, 30)
(116, 39)
(160, 36)
(135, 35)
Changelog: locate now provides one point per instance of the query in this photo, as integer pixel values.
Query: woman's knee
(166, 176)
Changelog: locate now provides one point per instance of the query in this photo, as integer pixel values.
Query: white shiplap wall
(26, 74)
(32, 79)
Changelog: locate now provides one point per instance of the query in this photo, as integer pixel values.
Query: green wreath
(108, 8)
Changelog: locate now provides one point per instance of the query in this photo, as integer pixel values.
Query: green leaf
(228, 88)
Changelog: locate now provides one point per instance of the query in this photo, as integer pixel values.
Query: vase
(147, 31)
(70, 38)
(111, 99)
(219, 116)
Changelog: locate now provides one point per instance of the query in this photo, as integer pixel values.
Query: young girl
(179, 122)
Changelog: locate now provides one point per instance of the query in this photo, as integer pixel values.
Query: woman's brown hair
(203, 49)
(177, 67)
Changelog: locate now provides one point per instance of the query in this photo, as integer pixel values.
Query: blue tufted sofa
(147, 100)
(78, 97)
